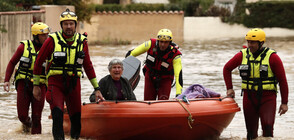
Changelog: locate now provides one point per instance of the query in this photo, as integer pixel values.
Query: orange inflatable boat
(202, 118)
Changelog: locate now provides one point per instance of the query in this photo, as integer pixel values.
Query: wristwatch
(97, 88)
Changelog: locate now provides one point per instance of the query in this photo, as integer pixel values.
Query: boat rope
(190, 117)
(161, 101)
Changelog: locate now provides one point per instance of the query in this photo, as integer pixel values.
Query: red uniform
(58, 90)
(267, 108)
(159, 72)
(46, 53)
(25, 94)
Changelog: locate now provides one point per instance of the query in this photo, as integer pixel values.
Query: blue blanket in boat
(198, 91)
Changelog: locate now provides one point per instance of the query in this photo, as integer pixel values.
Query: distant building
(228, 4)
(95, 1)
(123, 2)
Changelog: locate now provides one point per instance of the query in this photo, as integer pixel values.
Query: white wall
(210, 28)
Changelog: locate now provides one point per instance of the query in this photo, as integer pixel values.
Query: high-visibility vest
(162, 65)
(259, 70)
(71, 66)
(27, 61)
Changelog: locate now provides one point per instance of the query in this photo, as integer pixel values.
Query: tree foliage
(83, 10)
(263, 14)
(8, 5)
(194, 7)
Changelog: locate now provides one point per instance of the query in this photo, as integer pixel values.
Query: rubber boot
(268, 132)
(250, 136)
(26, 125)
(36, 125)
(75, 129)
(57, 128)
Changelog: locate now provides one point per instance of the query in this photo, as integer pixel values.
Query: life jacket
(26, 63)
(160, 65)
(67, 59)
(257, 73)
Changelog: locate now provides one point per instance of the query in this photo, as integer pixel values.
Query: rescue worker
(260, 69)
(163, 63)
(67, 52)
(26, 55)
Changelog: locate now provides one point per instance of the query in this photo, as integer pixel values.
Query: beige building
(52, 15)
(135, 27)
(123, 2)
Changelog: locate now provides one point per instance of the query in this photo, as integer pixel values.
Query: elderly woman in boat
(114, 86)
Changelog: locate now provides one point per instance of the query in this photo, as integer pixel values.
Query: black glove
(129, 53)
(92, 97)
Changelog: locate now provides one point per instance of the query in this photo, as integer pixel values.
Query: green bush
(217, 11)
(6, 5)
(173, 7)
(133, 7)
(190, 7)
(263, 14)
(270, 14)
(108, 7)
(144, 7)
(205, 4)
(238, 13)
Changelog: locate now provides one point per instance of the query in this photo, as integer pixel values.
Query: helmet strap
(36, 38)
(260, 45)
(36, 41)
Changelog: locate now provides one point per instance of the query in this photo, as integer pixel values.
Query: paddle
(131, 71)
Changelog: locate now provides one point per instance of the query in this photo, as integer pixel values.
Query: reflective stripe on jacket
(260, 71)
(29, 54)
(161, 65)
(71, 67)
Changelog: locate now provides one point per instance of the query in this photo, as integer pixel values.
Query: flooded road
(202, 64)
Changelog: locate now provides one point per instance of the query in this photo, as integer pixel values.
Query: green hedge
(108, 7)
(8, 5)
(270, 14)
(136, 7)
(190, 7)
(263, 14)
(238, 14)
(144, 7)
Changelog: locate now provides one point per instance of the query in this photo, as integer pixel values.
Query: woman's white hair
(115, 62)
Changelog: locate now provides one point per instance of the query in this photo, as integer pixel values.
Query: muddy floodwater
(202, 64)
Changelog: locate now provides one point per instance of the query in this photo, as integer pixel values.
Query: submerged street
(202, 64)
